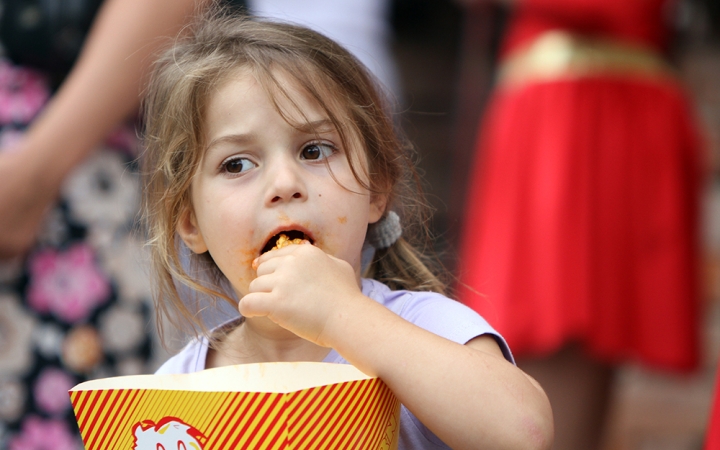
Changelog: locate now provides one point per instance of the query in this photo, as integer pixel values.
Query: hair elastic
(385, 232)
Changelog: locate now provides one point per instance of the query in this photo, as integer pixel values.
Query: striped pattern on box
(361, 414)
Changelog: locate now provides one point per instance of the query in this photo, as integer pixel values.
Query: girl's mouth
(285, 238)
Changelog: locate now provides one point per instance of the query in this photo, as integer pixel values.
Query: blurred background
(446, 55)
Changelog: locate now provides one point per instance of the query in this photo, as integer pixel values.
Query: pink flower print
(51, 391)
(23, 93)
(39, 434)
(68, 284)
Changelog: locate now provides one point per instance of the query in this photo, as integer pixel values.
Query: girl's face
(261, 176)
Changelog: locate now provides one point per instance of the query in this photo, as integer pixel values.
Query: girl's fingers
(268, 266)
(271, 261)
(252, 305)
(263, 283)
(267, 257)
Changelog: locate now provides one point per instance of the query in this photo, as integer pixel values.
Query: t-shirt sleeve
(446, 318)
(449, 319)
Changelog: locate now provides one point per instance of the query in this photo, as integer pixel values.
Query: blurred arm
(102, 90)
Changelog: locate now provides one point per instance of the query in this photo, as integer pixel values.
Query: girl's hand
(302, 289)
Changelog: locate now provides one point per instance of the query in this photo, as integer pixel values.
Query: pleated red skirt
(582, 220)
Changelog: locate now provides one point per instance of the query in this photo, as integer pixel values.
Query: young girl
(257, 129)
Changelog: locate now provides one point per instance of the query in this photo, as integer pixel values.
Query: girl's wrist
(334, 333)
(50, 159)
(44, 172)
(362, 321)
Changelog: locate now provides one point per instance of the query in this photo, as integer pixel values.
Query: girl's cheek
(240, 278)
(245, 273)
(237, 268)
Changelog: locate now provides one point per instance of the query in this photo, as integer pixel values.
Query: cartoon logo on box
(170, 433)
(390, 430)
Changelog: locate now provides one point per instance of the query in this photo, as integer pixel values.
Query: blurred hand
(24, 199)
(301, 288)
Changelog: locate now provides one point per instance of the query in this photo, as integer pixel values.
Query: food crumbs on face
(284, 241)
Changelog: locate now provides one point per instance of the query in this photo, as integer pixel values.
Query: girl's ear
(378, 202)
(189, 232)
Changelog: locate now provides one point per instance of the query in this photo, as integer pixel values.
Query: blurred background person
(74, 299)
(580, 240)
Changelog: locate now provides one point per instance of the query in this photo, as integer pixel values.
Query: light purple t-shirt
(431, 311)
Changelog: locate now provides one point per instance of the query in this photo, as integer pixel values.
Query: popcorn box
(250, 406)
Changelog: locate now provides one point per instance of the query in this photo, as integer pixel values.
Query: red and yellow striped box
(250, 406)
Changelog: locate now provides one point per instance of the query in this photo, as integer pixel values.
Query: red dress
(582, 215)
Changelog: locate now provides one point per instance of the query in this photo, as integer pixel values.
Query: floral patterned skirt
(78, 306)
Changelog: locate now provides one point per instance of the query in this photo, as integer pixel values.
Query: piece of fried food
(284, 241)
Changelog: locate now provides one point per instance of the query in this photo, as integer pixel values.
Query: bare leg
(579, 390)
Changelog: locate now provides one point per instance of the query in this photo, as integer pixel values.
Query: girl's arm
(102, 90)
(468, 395)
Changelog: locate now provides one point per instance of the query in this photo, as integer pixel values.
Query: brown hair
(182, 82)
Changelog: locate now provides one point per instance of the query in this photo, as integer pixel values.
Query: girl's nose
(286, 183)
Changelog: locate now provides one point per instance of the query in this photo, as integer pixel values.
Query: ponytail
(402, 266)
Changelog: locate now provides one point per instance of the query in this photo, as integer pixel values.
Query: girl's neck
(257, 340)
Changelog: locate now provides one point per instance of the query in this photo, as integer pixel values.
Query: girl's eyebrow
(232, 138)
(317, 126)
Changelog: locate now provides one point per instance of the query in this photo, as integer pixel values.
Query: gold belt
(556, 55)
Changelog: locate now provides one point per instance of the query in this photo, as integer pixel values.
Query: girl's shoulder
(411, 303)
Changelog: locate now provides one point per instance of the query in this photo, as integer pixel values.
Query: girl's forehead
(298, 102)
(303, 102)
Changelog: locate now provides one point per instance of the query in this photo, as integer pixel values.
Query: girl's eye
(317, 151)
(237, 165)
